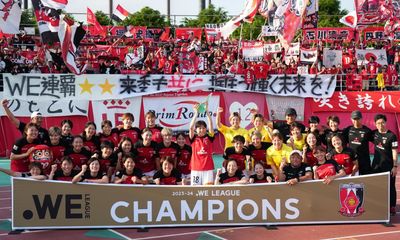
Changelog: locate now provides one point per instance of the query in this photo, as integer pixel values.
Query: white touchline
(363, 235)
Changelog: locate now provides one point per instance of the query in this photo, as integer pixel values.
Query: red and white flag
(247, 15)
(120, 14)
(10, 16)
(350, 19)
(91, 19)
(56, 4)
(48, 20)
(308, 55)
(253, 51)
(70, 36)
(287, 20)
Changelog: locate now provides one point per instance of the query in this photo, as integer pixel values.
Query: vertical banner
(113, 110)
(278, 105)
(311, 16)
(176, 112)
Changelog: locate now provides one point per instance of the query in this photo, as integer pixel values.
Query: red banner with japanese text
(186, 33)
(377, 33)
(373, 102)
(329, 34)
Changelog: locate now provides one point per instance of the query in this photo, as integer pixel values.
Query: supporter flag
(247, 15)
(157, 34)
(364, 55)
(48, 20)
(212, 32)
(253, 51)
(311, 16)
(70, 35)
(373, 11)
(56, 4)
(287, 20)
(91, 19)
(186, 33)
(136, 32)
(119, 14)
(10, 16)
(308, 55)
(391, 27)
(350, 19)
(332, 57)
(134, 55)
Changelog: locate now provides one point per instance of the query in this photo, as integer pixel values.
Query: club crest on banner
(351, 199)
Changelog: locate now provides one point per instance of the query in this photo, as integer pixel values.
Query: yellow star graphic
(86, 86)
(106, 87)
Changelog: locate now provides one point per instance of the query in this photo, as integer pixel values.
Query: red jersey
(22, 146)
(113, 137)
(78, 158)
(329, 168)
(58, 152)
(170, 151)
(240, 158)
(261, 70)
(202, 153)
(93, 144)
(345, 158)
(156, 134)
(260, 154)
(132, 133)
(145, 156)
(183, 160)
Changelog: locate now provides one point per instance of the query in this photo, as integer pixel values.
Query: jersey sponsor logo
(351, 198)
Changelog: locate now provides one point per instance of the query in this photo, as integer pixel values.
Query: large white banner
(176, 112)
(48, 108)
(37, 87)
(113, 109)
(332, 57)
(278, 105)
(364, 55)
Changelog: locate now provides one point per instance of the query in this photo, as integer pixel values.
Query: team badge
(351, 199)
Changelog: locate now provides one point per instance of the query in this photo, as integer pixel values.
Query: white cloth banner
(102, 86)
(48, 108)
(278, 105)
(332, 57)
(308, 55)
(364, 55)
(176, 112)
(272, 48)
(113, 110)
(253, 51)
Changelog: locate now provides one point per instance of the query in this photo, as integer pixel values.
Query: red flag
(91, 19)
(287, 20)
(185, 33)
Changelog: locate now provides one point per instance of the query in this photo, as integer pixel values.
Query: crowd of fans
(106, 55)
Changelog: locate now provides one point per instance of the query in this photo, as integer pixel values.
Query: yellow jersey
(275, 156)
(229, 133)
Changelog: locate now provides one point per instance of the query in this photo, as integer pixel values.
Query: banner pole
(239, 46)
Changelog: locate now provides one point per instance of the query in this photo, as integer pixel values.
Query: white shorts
(202, 177)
